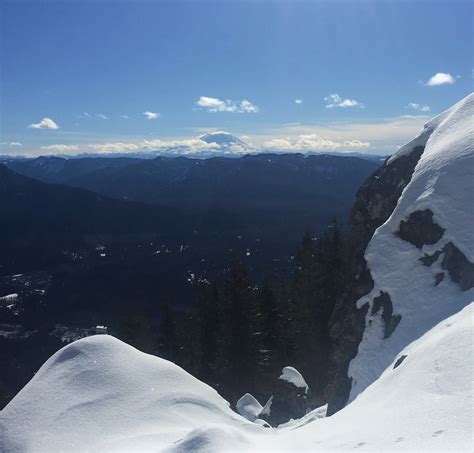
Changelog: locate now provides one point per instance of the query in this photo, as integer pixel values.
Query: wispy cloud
(298, 101)
(441, 78)
(218, 105)
(11, 144)
(45, 123)
(126, 117)
(87, 115)
(151, 115)
(419, 107)
(334, 100)
(60, 148)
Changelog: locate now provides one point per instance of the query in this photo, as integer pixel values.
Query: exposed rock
(378, 196)
(391, 321)
(399, 361)
(290, 400)
(419, 229)
(428, 260)
(439, 277)
(460, 269)
(375, 202)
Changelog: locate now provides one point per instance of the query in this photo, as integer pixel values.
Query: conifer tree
(168, 346)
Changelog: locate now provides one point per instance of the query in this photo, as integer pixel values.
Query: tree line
(238, 334)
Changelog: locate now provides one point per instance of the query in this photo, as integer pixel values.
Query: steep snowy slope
(424, 403)
(99, 394)
(421, 258)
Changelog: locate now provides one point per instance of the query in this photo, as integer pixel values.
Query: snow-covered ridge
(443, 182)
(99, 394)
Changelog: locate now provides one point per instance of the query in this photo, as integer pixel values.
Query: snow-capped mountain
(223, 139)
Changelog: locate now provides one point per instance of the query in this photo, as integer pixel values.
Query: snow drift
(100, 394)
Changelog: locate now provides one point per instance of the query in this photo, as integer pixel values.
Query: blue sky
(131, 75)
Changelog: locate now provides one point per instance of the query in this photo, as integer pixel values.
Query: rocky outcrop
(459, 268)
(391, 321)
(290, 399)
(399, 361)
(375, 202)
(419, 229)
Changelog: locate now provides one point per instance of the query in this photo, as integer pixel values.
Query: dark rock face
(288, 402)
(378, 196)
(375, 202)
(420, 229)
(428, 260)
(399, 361)
(439, 277)
(460, 269)
(384, 302)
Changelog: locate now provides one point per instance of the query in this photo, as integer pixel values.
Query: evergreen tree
(136, 328)
(238, 352)
(269, 327)
(168, 346)
(209, 329)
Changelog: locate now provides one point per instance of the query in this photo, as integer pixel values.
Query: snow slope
(99, 394)
(443, 181)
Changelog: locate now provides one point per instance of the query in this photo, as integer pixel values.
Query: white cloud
(151, 115)
(312, 142)
(382, 135)
(419, 107)
(45, 123)
(60, 148)
(11, 144)
(334, 100)
(218, 105)
(248, 107)
(298, 101)
(441, 78)
(102, 116)
(126, 117)
(115, 147)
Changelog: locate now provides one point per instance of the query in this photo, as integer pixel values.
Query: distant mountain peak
(223, 139)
